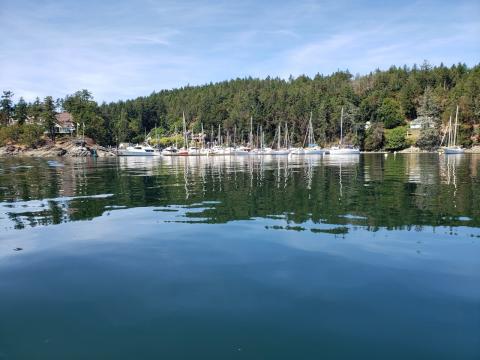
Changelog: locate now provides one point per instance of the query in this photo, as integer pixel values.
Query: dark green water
(371, 257)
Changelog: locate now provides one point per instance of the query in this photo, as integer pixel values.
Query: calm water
(300, 258)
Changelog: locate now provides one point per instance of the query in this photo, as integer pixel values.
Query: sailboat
(218, 149)
(312, 148)
(171, 150)
(203, 149)
(452, 148)
(296, 150)
(280, 150)
(261, 149)
(184, 151)
(343, 149)
(245, 150)
(157, 151)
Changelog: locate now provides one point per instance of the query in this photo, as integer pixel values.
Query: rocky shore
(63, 147)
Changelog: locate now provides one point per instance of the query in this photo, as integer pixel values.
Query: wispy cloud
(122, 49)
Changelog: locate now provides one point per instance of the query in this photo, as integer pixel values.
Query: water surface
(254, 258)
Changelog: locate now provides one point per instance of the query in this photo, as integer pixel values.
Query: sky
(124, 49)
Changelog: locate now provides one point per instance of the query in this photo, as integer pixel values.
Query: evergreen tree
(35, 111)
(48, 116)
(121, 127)
(6, 107)
(390, 113)
(21, 111)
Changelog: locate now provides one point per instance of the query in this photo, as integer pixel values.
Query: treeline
(387, 99)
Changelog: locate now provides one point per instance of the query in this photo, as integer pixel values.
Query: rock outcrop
(62, 147)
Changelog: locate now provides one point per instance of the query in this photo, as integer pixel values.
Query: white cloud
(123, 50)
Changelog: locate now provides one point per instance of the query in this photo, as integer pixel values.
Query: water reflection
(373, 191)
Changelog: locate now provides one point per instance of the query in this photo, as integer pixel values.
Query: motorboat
(170, 151)
(137, 150)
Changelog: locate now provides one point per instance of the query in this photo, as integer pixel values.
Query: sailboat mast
(341, 127)
(185, 140)
(450, 131)
(251, 132)
(176, 145)
(235, 136)
(279, 136)
(310, 127)
(211, 139)
(456, 124)
(203, 138)
(261, 136)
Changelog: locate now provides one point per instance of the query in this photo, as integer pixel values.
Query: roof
(64, 119)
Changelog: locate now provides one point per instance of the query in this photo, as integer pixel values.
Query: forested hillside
(385, 98)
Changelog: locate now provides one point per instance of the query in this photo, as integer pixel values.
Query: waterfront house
(64, 123)
(421, 122)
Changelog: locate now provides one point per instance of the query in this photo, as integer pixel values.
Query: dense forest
(386, 99)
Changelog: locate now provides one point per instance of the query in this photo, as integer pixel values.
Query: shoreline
(61, 148)
(99, 151)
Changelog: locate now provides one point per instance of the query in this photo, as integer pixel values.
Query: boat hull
(454, 151)
(344, 151)
(297, 151)
(133, 153)
(314, 152)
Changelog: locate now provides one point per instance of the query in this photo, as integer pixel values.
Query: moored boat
(343, 149)
(137, 150)
(451, 147)
(297, 151)
(312, 147)
(170, 151)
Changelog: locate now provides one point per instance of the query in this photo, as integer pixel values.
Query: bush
(31, 135)
(374, 138)
(169, 140)
(9, 134)
(395, 139)
(26, 134)
(429, 139)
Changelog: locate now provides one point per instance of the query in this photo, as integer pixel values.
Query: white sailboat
(343, 149)
(296, 150)
(280, 150)
(452, 148)
(312, 148)
(184, 151)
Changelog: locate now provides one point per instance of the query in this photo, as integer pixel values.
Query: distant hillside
(386, 97)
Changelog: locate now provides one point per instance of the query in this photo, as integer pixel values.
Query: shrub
(9, 134)
(374, 138)
(429, 139)
(395, 139)
(31, 135)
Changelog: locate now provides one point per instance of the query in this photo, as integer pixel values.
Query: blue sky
(123, 49)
